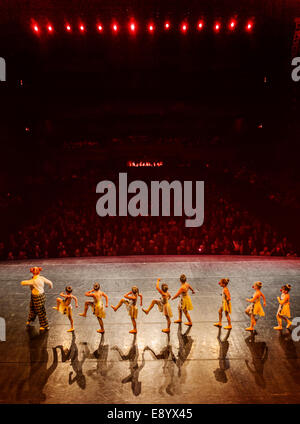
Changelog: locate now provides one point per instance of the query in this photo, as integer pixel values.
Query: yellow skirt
(99, 310)
(132, 310)
(284, 310)
(186, 303)
(64, 309)
(258, 309)
(226, 306)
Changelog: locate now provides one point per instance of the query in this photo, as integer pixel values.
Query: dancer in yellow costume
(226, 304)
(185, 303)
(64, 305)
(130, 300)
(284, 312)
(163, 304)
(255, 310)
(97, 306)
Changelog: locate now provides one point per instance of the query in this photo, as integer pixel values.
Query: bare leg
(252, 324)
(179, 320)
(58, 302)
(167, 330)
(86, 306)
(71, 321)
(279, 320)
(289, 323)
(101, 330)
(188, 317)
(134, 330)
(229, 326)
(115, 308)
(154, 302)
(219, 324)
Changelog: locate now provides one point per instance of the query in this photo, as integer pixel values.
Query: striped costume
(37, 308)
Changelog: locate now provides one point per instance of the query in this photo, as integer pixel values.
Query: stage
(193, 365)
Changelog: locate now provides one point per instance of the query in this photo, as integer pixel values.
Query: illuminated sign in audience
(140, 164)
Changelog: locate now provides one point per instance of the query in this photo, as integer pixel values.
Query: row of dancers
(130, 300)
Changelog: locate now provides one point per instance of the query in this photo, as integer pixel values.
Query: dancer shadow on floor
(169, 366)
(259, 353)
(101, 354)
(185, 347)
(134, 367)
(291, 356)
(72, 354)
(38, 373)
(220, 373)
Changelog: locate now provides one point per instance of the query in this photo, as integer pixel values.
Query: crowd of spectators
(69, 229)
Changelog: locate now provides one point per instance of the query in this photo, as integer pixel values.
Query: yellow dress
(99, 310)
(284, 309)
(226, 304)
(186, 302)
(258, 309)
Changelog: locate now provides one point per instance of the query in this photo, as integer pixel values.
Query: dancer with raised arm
(162, 304)
(64, 305)
(97, 305)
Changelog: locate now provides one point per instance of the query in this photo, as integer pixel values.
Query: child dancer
(255, 309)
(64, 305)
(284, 312)
(38, 298)
(226, 304)
(163, 304)
(97, 305)
(185, 303)
(130, 302)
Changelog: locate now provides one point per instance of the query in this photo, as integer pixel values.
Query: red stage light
(200, 25)
(167, 25)
(184, 27)
(232, 25)
(82, 28)
(132, 27)
(68, 27)
(100, 27)
(115, 27)
(36, 28)
(151, 27)
(217, 26)
(50, 28)
(249, 26)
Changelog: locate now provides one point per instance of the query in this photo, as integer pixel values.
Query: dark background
(228, 97)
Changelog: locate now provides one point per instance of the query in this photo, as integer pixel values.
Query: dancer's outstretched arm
(76, 300)
(106, 298)
(157, 286)
(27, 282)
(178, 293)
(191, 288)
